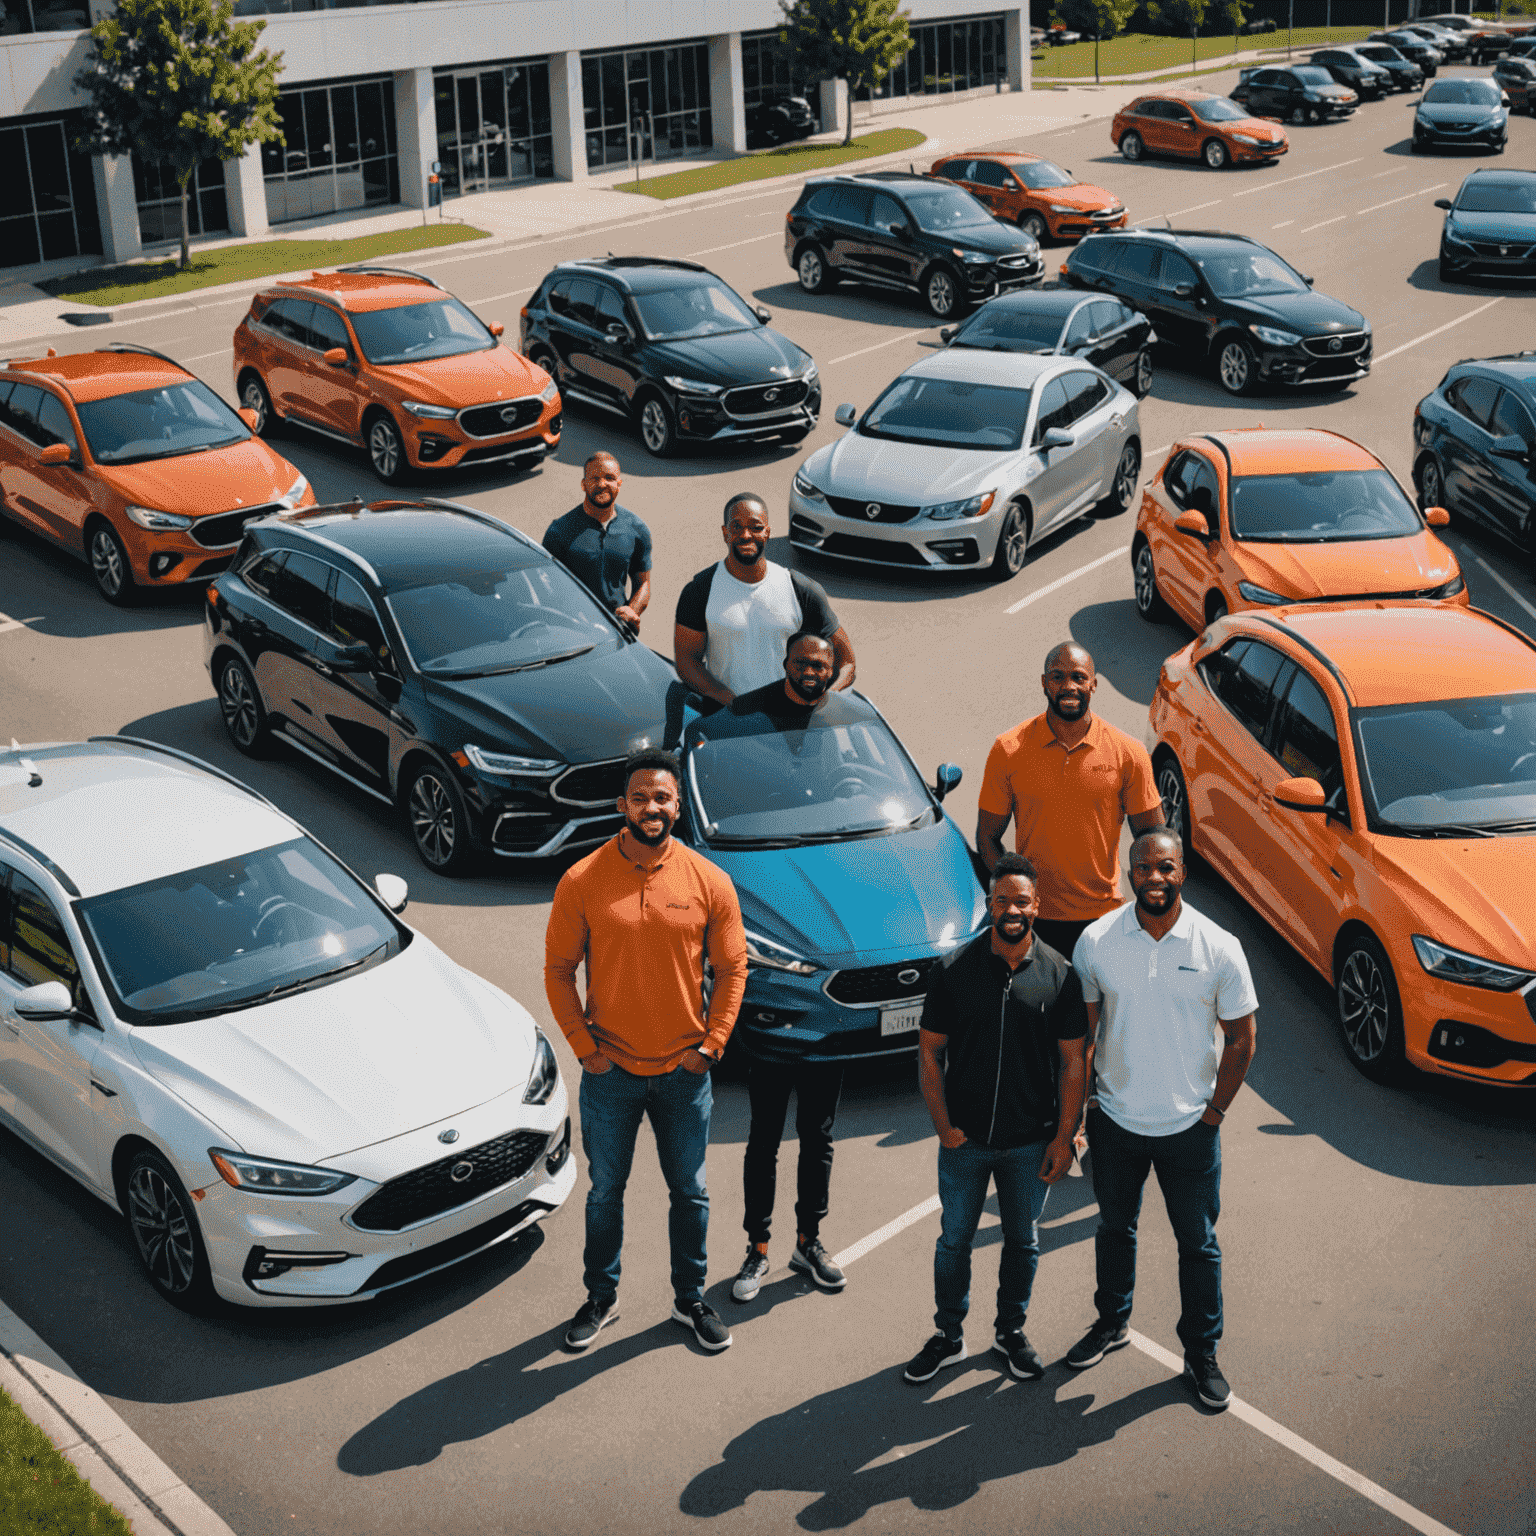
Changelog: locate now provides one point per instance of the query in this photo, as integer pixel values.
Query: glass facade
(48, 196)
(340, 151)
(493, 125)
(42, 16)
(159, 199)
(947, 56)
(657, 97)
(767, 69)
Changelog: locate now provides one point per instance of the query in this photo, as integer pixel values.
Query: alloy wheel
(109, 565)
(1235, 367)
(1170, 785)
(237, 703)
(384, 449)
(1034, 226)
(254, 398)
(1126, 476)
(1365, 1008)
(941, 294)
(433, 823)
(811, 271)
(162, 1229)
(1298, 116)
(1215, 154)
(1130, 146)
(1144, 374)
(1431, 490)
(1012, 544)
(1144, 581)
(655, 426)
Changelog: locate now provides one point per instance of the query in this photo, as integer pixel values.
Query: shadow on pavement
(1117, 638)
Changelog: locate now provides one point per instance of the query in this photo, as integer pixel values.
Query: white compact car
(967, 459)
(214, 1025)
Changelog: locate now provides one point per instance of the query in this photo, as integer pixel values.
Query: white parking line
(516, 293)
(1405, 198)
(1196, 209)
(1395, 171)
(709, 250)
(1448, 326)
(1056, 586)
(1509, 589)
(890, 341)
(204, 356)
(1303, 177)
(1326, 222)
(1282, 224)
(7, 623)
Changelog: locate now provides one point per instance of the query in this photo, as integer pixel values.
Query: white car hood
(875, 469)
(309, 1077)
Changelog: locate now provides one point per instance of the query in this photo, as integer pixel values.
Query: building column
(118, 207)
(1016, 46)
(727, 100)
(245, 194)
(415, 133)
(568, 111)
(834, 106)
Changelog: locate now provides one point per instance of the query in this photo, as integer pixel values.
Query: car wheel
(1298, 116)
(1122, 489)
(656, 429)
(1431, 485)
(812, 270)
(1035, 227)
(254, 397)
(1235, 366)
(1142, 381)
(1012, 545)
(1314, 117)
(386, 450)
(1131, 146)
(1216, 154)
(240, 707)
(439, 821)
(942, 291)
(170, 1247)
(1370, 1009)
(109, 564)
(1149, 601)
(1170, 785)
(543, 358)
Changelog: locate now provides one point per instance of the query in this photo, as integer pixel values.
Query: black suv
(900, 230)
(779, 122)
(1490, 227)
(1405, 72)
(441, 661)
(1416, 49)
(672, 348)
(1304, 93)
(1225, 300)
(1369, 81)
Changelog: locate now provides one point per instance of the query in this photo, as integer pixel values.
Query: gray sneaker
(749, 1279)
(708, 1326)
(590, 1320)
(810, 1258)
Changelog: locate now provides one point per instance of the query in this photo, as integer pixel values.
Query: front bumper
(1478, 137)
(1300, 365)
(1467, 1032)
(536, 817)
(1490, 258)
(709, 418)
(198, 553)
(985, 280)
(1073, 226)
(1262, 153)
(962, 545)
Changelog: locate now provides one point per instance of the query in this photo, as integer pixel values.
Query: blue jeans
(964, 1173)
(612, 1106)
(1189, 1173)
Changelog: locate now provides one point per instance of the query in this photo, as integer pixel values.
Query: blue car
(853, 880)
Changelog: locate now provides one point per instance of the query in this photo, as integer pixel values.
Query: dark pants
(817, 1086)
(1061, 934)
(1189, 1174)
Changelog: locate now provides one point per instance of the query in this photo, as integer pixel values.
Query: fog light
(268, 1264)
(685, 421)
(160, 564)
(556, 1159)
(956, 551)
(430, 449)
(1469, 1046)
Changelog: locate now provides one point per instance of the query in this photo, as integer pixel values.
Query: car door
(1183, 131)
(851, 251)
(1097, 418)
(1267, 93)
(55, 499)
(1183, 561)
(615, 355)
(994, 186)
(1152, 124)
(1509, 483)
(889, 255)
(1177, 306)
(297, 619)
(1464, 449)
(1069, 476)
(333, 395)
(356, 708)
(1113, 341)
(581, 347)
(287, 352)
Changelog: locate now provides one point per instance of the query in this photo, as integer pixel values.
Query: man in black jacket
(1004, 1009)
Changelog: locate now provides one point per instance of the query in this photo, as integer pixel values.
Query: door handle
(1196, 726)
(323, 670)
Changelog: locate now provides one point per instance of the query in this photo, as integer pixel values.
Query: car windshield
(1382, 54)
(1239, 271)
(1451, 764)
(1041, 175)
(940, 209)
(1481, 196)
(1463, 92)
(949, 413)
(1003, 327)
(233, 934)
(481, 622)
(158, 423)
(1324, 507)
(1312, 74)
(703, 308)
(414, 332)
(1217, 109)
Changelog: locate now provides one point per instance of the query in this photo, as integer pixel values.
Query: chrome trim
(485, 437)
(570, 392)
(341, 773)
(501, 1189)
(501, 1237)
(557, 842)
(786, 421)
(541, 451)
(586, 805)
(884, 1002)
(313, 426)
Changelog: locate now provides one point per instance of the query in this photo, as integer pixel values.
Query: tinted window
(1266, 77)
(1479, 196)
(1308, 742)
(1237, 270)
(560, 297)
(1107, 315)
(1158, 109)
(299, 588)
(948, 413)
(1176, 270)
(1219, 668)
(1086, 392)
(1511, 419)
(1094, 256)
(1041, 175)
(1203, 495)
(1010, 327)
(1464, 92)
(1474, 398)
(39, 948)
(1136, 261)
(581, 301)
(1247, 690)
(328, 329)
(852, 206)
(53, 423)
(1055, 408)
(1081, 327)
(939, 209)
(262, 574)
(989, 174)
(1310, 75)
(159, 423)
(1321, 507)
(610, 307)
(289, 318)
(414, 332)
(353, 621)
(1177, 112)
(957, 170)
(885, 214)
(702, 306)
(1179, 476)
(21, 410)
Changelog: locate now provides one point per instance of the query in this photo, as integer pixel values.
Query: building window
(493, 125)
(340, 151)
(767, 69)
(47, 194)
(653, 102)
(42, 16)
(159, 200)
(947, 56)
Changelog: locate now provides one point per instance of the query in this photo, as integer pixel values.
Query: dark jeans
(1189, 1173)
(1061, 934)
(964, 1173)
(817, 1086)
(612, 1106)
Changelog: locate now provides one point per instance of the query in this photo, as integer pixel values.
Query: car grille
(855, 548)
(430, 1191)
(1350, 343)
(754, 400)
(850, 506)
(1510, 252)
(224, 528)
(590, 784)
(492, 420)
(880, 983)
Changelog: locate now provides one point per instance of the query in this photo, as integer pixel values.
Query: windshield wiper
(1443, 829)
(522, 666)
(286, 988)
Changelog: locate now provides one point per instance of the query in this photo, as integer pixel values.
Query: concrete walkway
(1213, 65)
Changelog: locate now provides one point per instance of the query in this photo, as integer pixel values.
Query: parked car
(1302, 93)
(131, 463)
(1370, 82)
(1490, 227)
(1413, 47)
(440, 661)
(222, 1032)
(1517, 79)
(1464, 113)
(895, 230)
(672, 348)
(1523, 48)
(1405, 72)
(1195, 126)
(1036, 194)
(784, 121)
(1484, 42)
(1452, 47)
(965, 460)
(1225, 301)
(1474, 446)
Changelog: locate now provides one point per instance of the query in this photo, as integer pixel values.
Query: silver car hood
(876, 469)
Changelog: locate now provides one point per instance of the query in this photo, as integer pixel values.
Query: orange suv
(1034, 193)
(131, 462)
(1366, 779)
(1253, 518)
(1196, 127)
(387, 359)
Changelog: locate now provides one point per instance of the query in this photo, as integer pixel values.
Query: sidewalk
(1213, 65)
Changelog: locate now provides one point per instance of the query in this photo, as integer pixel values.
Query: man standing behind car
(644, 912)
(603, 544)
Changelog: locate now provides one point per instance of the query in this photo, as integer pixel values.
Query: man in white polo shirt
(1163, 985)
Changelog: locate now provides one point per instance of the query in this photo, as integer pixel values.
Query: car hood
(472, 378)
(247, 474)
(997, 239)
(738, 357)
(1310, 313)
(1309, 572)
(1082, 195)
(874, 469)
(310, 1077)
(1256, 128)
(1474, 894)
(1519, 228)
(1450, 113)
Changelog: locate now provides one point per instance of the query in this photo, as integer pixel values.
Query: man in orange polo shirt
(1067, 780)
(643, 912)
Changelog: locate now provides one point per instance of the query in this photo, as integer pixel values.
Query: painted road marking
(1405, 198)
(889, 341)
(1056, 586)
(516, 293)
(1509, 589)
(1303, 177)
(204, 356)
(1326, 222)
(1282, 224)
(1196, 209)
(1397, 171)
(7, 623)
(1449, 325)
(709, 250)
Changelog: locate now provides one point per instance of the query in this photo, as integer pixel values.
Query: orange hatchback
(1253, 518)
(1196, 127)
(1366, 779)
(1036, 194)
(131, 462)
(387, 359)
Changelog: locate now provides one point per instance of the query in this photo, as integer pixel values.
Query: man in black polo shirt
(1005, 1008)
(603, 544)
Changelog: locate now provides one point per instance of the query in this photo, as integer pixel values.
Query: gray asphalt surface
(1378, 1243)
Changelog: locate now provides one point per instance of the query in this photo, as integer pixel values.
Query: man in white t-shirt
(735, 618)
(1163, 986)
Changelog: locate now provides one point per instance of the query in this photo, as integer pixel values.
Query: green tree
(1178, 15)
(177, 82)
(1236, 11)
(859, 41)
(1103, 18)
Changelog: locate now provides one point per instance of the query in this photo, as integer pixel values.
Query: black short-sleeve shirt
(604, 556)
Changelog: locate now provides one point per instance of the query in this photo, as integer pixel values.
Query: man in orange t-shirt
(644, 912)
(1067, 780)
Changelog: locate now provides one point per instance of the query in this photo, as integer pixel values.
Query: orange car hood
(1256, 128)
(1310, 571)
(469, 379)
(1082, 194)
(242, 475)
(1474, 894)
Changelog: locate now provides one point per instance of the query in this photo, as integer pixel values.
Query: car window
(693, 307)
(1265, 77)
(1321, 506)
(559, 300)
(299, 588)
(1055, 408)
(1107, 315)
(160, 423)
(1203, 495)
(1156, 109)
(1136, 261)
(39, 948)
(989, 173)
(1178, 477)
(582, 306)
(1081, 328)
(1220, 666)
(1474, 398)
(852, 205)
(1247, 691)
(958, 170)
(289, 318)
(1041, 175)
(261, 575)
(327, 329)
(1307, 738)
(938, 210)
(1511, 419)
(20, 413)
(1177, 112)
(53, 423)
(5, 893)
(1086, 392)
(1093, 256)
(610, 307)
(885, 213)
(1011, 325)
(1176, 270)
(353, 620)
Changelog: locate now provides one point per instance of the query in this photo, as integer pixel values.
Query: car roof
(1009, 370)
(105, 372)
(1290, 450)
(86, 820)
(1500, 173)
(1518, 366)
(637, 274)
(1021, 156)
(1173, 235)
(1174, 93)
(1045, 301)
(364, 288)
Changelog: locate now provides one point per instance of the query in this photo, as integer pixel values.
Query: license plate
(900, 1021)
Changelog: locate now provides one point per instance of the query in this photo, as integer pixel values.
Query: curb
(100, 1446)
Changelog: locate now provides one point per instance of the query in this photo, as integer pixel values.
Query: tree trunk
(848, 137)
(186, 239)
(1096, 32)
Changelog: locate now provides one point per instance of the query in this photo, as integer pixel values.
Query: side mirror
(393, 891)
(1308, 280)
(1192, 523)
(1184, 290)
(1437, 517)
(948, 333)
(1057, 437)
(44, 1003)
(948, 776)
(619, 332)
(762, 312)
(1443, 202)
(55, 453)
(496, 328)
(249, 417)
(336, 357)
(901, 231)
(1300, 795)
(846, 415)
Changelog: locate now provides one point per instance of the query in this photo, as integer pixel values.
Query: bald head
(600, 482)
(1069, 655)
(607, 460)
(1154, 844)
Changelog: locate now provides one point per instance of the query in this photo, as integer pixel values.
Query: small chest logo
(679, 906)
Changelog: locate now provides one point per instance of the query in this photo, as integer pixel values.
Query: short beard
(811, 689)
(1061, 714)
(997, 928)
(1146, 906)
(646, 838)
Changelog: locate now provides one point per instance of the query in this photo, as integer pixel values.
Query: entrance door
(642, 140)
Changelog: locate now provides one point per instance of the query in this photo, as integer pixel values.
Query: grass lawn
(41, 1494)
(1133, 52)
(788, 160)
(106, 286)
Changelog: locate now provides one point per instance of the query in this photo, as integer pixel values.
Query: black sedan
(1417, 50)
(779, 122)
(439, 660)
(1302, 93)
(1405, 72)
(1490, 229)
(1063, 322)
(1345, 65)
(1464, 113)
(1517, 79)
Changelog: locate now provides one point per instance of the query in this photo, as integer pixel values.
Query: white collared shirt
(1161, 1002)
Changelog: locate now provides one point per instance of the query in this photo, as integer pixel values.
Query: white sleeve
(1235, 997)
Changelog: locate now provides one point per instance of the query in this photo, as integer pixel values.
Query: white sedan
(217, 1028)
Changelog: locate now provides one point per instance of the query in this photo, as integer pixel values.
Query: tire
(942, 291)
(163, 1222)
(1370, 1009)
(1215, 154)
(386, 450)
(1298, 116)
(1012, 544)
(439, 821)
(1149, 601)
(658, 431)
(546, 360)
(1141, 379)
(1431, 485)
(1314, 116)
(1035, 227)
(1131, 146)
(1236, 368)
(254, 397)
(1415, 146)
(1122, 489)
(812, 270)
(109, 564)
(241, 708)
(1169, 778)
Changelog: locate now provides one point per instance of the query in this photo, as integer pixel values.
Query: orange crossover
(1366, 778)
(1036, 194)
(385, 358)
(131, 462)
(1252, 518)
(1195, 126)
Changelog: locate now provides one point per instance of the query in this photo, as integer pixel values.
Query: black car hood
(1511, 228)
(997, 239)
(1308, 314)
(1452, 112)
(737, 357)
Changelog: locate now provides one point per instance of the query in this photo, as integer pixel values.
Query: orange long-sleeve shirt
(644, 934)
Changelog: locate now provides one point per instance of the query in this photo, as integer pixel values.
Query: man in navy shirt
(603, 544)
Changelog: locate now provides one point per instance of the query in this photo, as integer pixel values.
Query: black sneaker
(590, 1320)
(811, 1258)
(933, 1357)
(1023, 1362)
(754, 1270)
(1202, 1372)
(708, 1328)
(1099, 1341)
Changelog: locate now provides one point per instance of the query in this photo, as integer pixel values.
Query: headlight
(148, 517)
(1254, 594)
(1274, 338)
(810, 372)
(265, 1177)
(975, 258)
(1470, 970)
(685, 386)
(761, 951)
(1245, 138)
(507, 763)
(803, 487)
(549, 391)
(1453, 237)
(432, 412)
(1064, 208)
(1452, 588)
(295, 492)
(545, 1074)
(948, 511)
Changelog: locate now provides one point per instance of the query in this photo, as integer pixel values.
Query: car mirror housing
(1437, 517)
(249, 417)
(1443, 202)
(1301, 795)
(336, 357)
(846, 415)
(947, 778)
(356, 657)
(763, 313)
(55, 453)
(1511, 448)
(948, 333)
(393, 891)
(45, 1003)
(619, 332)
(496, 328)
(1057, 437)
(1192, 523)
